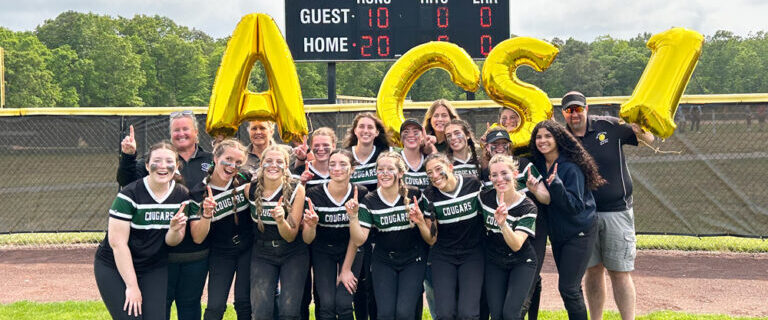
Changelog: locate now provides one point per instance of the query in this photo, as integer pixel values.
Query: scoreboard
(338, 30)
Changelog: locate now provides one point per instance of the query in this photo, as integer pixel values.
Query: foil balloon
(503, 86)
(404, 72)
(257, 38)
(674, 54)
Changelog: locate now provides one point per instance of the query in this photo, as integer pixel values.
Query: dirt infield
(694, 282)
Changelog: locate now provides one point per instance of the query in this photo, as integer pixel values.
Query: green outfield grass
(95, 310)
(686, 243)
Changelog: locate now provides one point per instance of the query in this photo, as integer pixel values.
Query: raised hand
(500, 215)
(414, 213)
(531, 182)
(552, 176)
(128, 145)
(209, 204)
(179, 220)
(429, 142)
(310, 218)
(352, 205)
(301, 150)
(306, 175)
(278, 213)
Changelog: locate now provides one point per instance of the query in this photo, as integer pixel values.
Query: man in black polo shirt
(603, 137)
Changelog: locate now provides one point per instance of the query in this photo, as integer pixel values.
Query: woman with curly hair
(571, 175)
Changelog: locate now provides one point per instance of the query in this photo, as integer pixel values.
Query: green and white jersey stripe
(224, 206)
(332, 214)
(416, 176)
(389, 218)
(518, 220)
(459, 206)
(365, 171)
(269, 203)
(146, 215)
(465, 167)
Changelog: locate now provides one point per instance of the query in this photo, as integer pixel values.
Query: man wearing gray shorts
(603, 137)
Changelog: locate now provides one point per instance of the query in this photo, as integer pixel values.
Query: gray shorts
(615, 245)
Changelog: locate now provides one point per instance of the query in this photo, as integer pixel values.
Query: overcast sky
(580, 19)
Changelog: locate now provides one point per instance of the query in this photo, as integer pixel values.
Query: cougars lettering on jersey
(521, 215)
(224, 206)
(415, 177)
(267, 204)
(395, 233)
(456, 213)
(333, 222)
(465, 167)
(365, 171)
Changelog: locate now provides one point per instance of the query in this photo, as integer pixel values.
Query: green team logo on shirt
(385, 220)
(224, 206)
(458, 209)
(364, 174)
(143, 216)
(525, 223)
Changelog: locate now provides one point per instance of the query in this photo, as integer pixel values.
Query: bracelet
(206, 217)
(305, 159)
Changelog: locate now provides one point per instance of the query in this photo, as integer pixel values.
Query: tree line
(91, 60)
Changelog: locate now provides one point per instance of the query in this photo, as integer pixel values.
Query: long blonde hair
(288, 184)
(218, 150)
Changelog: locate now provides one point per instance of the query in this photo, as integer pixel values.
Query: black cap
(410, 121)
(573, 98)
(497, 134)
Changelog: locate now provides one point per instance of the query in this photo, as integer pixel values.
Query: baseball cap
(573, 98)
(494, 135)
(410, 121)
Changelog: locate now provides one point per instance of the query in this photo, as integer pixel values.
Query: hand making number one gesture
(179, 220)
(310, 218)
(128, 145)
(306, 175)
(352, 205)
(209, 204)
(278, 213)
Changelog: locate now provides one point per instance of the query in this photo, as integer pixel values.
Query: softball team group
(371, 228)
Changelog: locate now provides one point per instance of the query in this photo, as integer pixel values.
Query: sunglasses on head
(184, 113)
(573, 109)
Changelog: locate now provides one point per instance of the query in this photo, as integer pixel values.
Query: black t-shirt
(365, 171)
(604, 140)
(333, 222)
(268, 203)
(150, 216)
(225, 235)
(394, 231)
(459, 220)
(521, 216)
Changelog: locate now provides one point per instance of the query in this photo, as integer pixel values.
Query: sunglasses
(184, 113)
(573, 109)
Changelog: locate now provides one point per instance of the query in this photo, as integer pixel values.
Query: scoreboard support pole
(331, 72)
(470, 95)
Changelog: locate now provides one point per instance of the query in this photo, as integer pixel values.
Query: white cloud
(580, 19)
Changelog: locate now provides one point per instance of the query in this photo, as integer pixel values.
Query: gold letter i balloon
(257, 37)
(404, 72)
(674, 54)
(503, 86)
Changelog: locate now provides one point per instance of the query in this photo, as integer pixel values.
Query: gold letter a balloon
(257, 37)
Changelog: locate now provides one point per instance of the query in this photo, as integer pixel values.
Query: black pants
(365, 300)
(540, 247)
(332, 301)
(571, 258)
(458, 283)
(222, 269)
(507, 286)
(152, 285)
(398, 286)
(186, 281)
(288, 263)
(307, 296)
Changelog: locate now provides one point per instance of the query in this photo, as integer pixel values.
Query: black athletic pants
(458, 283)
(571, 258)
(332, 301)
(365, 300)
(507, 284)
(540, 247)
(222, 268)
(273, 261)
(152, 284)
(398, 286)
(186, 281)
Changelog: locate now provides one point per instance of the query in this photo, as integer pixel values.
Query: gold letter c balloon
(503, 86)
(257, 37)
(404, 72)
(674, 54)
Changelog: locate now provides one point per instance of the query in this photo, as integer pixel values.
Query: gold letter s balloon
(674, 54)
(503, 86)
(404, 72)
(257, 37)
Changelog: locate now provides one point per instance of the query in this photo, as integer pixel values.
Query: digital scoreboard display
(334, 30)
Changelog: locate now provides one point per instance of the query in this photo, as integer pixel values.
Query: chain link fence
(58, 171)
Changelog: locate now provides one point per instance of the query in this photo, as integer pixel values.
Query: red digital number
(442, 14)
(366, 46)
(370, 18)
(384, 47)
(485, 17)
(486, 44)
(386, 18)
(442, 37)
